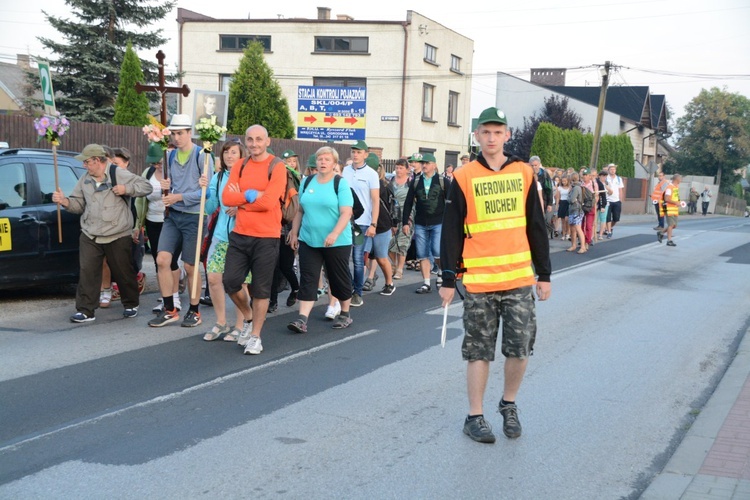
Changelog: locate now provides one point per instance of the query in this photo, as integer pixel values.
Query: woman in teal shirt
(322, 233)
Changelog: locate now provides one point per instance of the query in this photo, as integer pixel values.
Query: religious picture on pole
(211, 105)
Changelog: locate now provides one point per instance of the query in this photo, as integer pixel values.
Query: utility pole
(600, 114)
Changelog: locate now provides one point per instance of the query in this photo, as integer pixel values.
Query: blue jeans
(427, 239)
(358, 259)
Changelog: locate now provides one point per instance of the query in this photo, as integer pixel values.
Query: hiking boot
(164, 318)
(511, 425)
(80, 317)
(342, 322)
(130, 312)
(192, 318)
(253, 345)
(333, 311)
(247, 328)
(357, 300)
(660, 236)
(671, 243)
(141, 279)
(479, 430)
(105, 297)
(388, 289)
(292, 299)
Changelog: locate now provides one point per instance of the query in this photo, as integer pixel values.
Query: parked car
(30, 254)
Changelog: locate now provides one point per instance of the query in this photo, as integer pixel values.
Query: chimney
(344, 17)
(324, 13)
(553, 77)
(23, 61)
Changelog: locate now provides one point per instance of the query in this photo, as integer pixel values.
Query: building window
(455, 64)
(452, 108)
(224, 82)
(428, 96)
(430, 54)
(238, 43)
(343, 81)
(338, 44)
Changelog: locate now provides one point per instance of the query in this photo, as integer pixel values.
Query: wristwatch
(373, 225)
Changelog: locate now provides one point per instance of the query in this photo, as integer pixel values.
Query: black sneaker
(130, 312)
(511, 425)
(292, 299)
(660, 236)
(80, 317)
(388, 289)
(671, 243)
(164, 318)
(191, 319)
(272, 307)
(479, 430)
(207, 301)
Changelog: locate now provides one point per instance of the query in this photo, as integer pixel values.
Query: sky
(676, 47)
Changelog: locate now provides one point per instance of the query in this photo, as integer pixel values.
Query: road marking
(197, 387)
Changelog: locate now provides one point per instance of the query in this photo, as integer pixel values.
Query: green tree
(555, 111)
(256, 97)
(131, 108)
(714, 136)
(87, 63)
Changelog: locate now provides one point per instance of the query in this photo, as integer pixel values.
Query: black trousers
(285, 268)
(336, 260)
(91, 256)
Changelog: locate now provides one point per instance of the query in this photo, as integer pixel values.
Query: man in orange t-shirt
(254, 241)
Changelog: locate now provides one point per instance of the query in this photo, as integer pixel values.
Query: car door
(60, 256)
(19, 227)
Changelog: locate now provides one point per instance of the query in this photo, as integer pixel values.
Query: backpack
(357, 210)
(546, 182)
(173, 153)
(289, 201)
(127, 199)
(395, 208)
(588, 200)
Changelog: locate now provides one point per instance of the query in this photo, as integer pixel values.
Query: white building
(417, 72)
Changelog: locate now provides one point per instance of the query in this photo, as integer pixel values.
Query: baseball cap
(423, 158)
(155, 154)
(288, 154)
(492, 115)
(586, 171)
(91, 151)
(360, 145)
(311, 161)
(372, 161)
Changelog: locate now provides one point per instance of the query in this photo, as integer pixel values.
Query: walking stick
(57, 188)
(196, 268)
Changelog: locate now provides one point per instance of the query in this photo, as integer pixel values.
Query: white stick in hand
(445, 326)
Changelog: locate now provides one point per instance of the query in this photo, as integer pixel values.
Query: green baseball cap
(312, 162)
(288, 154)
(360, 145)
(155, 153)
(91, 151)
(423, 158)
(372, 161)
(492, 115)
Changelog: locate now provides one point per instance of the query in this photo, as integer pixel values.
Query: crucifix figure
(162, 88)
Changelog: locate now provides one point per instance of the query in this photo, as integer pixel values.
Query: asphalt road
(632, 342)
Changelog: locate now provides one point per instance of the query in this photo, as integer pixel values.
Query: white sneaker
(253, 345)
(247, 328)
(333, 311)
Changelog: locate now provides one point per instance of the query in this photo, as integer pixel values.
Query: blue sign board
(331, 113)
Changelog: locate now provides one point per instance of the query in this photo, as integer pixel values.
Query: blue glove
(251, 195)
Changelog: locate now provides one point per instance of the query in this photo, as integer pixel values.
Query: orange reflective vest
(658, 190)
(674, 195)
(496, 252)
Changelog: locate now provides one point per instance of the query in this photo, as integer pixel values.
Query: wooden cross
(162, 88)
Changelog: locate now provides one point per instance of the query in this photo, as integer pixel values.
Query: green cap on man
(360, 145)
(492, 115)
(423, 158)
(91, 151)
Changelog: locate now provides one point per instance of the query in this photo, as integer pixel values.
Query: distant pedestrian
(614, 198)
(705, 199)
(693, 201)
(670, 209)
(661, 184)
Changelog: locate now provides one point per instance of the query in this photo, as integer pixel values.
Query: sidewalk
(713, 459)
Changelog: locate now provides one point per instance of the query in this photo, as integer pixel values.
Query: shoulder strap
(242, 167)
(307, 181)
(271, 166)
(113, 174)
(336, 181)
(150, 173)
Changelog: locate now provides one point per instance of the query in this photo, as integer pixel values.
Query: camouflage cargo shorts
(400, 242)
(482, 315)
